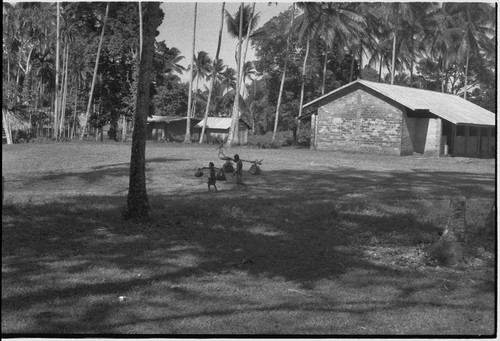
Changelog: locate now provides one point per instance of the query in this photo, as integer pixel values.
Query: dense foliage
(447, 47)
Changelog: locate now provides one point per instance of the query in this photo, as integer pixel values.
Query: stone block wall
(425, 134)
(360, 122)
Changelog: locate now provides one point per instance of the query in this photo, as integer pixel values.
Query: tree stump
(490, 223)
(449, 250)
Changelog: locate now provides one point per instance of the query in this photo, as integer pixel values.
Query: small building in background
(217, 129)
(365, 116)
(169, 128)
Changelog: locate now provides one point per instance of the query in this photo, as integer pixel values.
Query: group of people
(212, 179)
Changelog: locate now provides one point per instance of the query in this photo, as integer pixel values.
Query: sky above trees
(177, 28)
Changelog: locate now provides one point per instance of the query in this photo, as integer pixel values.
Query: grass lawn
(321, 243)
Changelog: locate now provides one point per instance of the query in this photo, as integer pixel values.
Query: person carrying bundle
(239, 171)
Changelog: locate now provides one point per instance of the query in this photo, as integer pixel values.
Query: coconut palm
(217, 69)
(441, 40)
(94, 77)
(330, 21)
(202, 68)
(233, 130)
(187, 137)
(474, 22)
(278, 104)
(228, 80)
(405, 22)
(256, 100)
(137, 199)
(250, 22)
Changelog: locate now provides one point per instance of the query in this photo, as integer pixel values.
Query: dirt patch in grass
(321, 243)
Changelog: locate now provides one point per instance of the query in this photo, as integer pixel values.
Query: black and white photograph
(211, 169)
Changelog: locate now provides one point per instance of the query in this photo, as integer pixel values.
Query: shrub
(215, 139)
(283, 138)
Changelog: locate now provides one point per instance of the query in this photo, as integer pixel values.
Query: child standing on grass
(212, 179)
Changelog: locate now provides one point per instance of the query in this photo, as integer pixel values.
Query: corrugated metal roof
(167, 119)
(447, 106)
(219, 123)
(216, 123)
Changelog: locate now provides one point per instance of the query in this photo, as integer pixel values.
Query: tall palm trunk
(73, 130)
(466, 73)
(64, 92)
(284, 73)
(94, 77)
(56, 103)
(187, 138)
(214, 72)
(195, 98)
(360, 61)
(247, 41)
(351, 76)
(380, 69)
(323, 82)
(303, 82)
(140, 30)
(233, 137)
(393, 66)
(6, 125)
(137, 199)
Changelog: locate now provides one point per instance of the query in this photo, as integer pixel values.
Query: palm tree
(202, 68)
(405, 19)
(248, 72)
(250, 22)
(228, 80)
(187, 138)
(475, 22)
(278, 104)
(94, 77)
(137, 199)
(241, 26)
(328, 20)
(256, 99)
(235, 119)
(396, 13)
(441, 40)
(215, 70)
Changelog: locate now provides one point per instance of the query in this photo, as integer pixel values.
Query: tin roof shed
(218, 123)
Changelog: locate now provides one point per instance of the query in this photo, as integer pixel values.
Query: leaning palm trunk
(303, 81)
(323, 82)
(6, 125)
(235, 120)
(56, 103)
(393, 66)
(187, 138)
(89, 105)
(65, 94)
(213, 74)
(466, 73)
(73, 129)
(284, 74)
(247, 40)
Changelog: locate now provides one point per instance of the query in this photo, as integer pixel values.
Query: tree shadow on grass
(295, 227)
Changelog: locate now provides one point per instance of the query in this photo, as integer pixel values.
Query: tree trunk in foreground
(137, 201)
